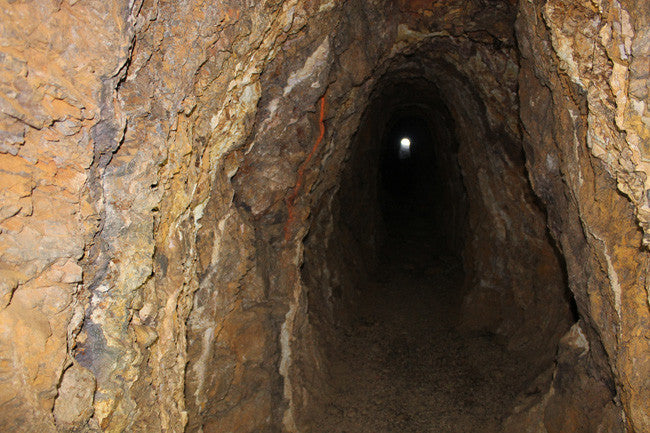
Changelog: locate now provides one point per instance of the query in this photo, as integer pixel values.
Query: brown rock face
(190, 202)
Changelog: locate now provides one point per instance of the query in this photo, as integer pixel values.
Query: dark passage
(420, 192)
(402, 364)
(437, 299)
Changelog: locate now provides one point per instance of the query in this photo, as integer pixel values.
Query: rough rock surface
(173, 175)
(574, 130)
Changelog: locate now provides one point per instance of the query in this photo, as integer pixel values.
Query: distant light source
(404, 148)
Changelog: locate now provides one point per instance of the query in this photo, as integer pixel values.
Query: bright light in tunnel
(404, 148)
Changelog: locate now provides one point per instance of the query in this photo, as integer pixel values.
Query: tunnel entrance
(421, 188)
(429, 310)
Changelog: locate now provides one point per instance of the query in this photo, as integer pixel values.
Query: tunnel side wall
(137, 291)
(581, 77)
(288, 185)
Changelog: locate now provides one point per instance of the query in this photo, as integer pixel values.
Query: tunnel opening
(417, 190)
(443, 299)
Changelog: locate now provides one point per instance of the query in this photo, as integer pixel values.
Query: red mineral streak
(290, 200)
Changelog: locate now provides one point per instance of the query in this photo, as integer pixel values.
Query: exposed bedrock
(191, 201)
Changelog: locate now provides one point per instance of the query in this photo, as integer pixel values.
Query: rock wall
(162, 163)
(131, 107)
(292, 168)
(581, 87)
(60, 66)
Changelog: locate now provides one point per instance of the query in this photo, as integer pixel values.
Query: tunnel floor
(404, 365)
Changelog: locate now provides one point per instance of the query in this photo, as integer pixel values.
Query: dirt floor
(404, 366)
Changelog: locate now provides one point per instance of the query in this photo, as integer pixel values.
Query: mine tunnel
(324, 216)
(419, 176)
(424, 338)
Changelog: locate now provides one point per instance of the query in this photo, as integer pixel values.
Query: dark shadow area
(419, 181)
(434, 292)
(401, 363)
